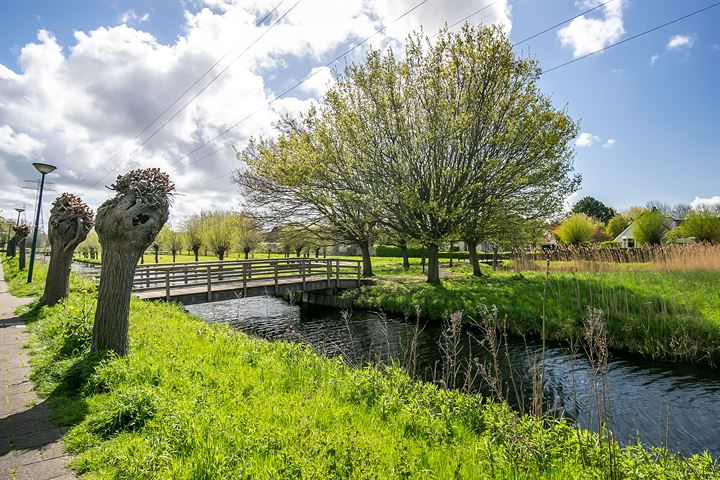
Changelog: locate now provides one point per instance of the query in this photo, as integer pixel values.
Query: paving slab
(31, 446)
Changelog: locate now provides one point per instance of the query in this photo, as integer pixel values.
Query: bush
(616, 225)
(610, 244)
(576, 230)
(702, 225)
(650, 227)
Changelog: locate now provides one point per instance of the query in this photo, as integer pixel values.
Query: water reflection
(647, 400)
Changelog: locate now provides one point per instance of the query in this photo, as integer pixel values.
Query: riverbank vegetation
(193, 400)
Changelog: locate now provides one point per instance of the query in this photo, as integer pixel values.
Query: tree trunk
(433, 272)
(366, 260)
(298, 252)
(58, 275)
(422, 263)
(12, 246)
(142, 259)
(196, 251)
(157, 250)
(451, 254)
(173, 253)
(21, 248)
(110, 330)
(404, 251)
(474, 260)
(247, 253)
(317, 253)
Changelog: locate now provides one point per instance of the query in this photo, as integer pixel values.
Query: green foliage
(576, 230)
(594, 208)
(616, 225)
(193, 400)
(650, 227)
(703, 225)
(610, 244)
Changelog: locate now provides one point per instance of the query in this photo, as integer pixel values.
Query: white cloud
(318, 83)
(586, 35)
(131, 18)
(80, 104)
(19, 144)
(609, 143)
(617, 71)
(708, 202)
(586, 139)
(680, 41)
(654, 59)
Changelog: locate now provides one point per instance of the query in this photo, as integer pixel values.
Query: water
(647, 400)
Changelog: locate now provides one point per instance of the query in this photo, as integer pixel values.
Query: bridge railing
(158, 276)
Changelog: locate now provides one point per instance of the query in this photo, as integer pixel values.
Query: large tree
(650, 227)
(70, 222)
(594, 208)
(576, 230)
(703, 225)
(448, 131)
(249, 235)
(305, 179)
(126, 225)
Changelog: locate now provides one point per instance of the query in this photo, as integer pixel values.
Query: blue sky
(78, 94)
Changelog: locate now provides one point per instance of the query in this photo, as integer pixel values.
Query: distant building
(626, 238)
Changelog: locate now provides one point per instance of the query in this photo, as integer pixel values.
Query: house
(626, 238)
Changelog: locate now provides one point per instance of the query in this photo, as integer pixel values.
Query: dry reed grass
(594, 258)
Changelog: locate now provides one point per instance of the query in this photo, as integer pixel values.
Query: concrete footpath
(31, 447)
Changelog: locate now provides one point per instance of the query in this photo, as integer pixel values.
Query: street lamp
(44, 169)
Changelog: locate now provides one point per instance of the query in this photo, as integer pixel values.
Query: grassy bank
(661, 315)
(194, 400)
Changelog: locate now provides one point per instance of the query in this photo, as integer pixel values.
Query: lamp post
(44, 169)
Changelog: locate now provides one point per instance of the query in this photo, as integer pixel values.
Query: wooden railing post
(302, 272)
(147, 277)
(186, 275)
(167, 285)
(359, 271)
(277, 262)
(337, 273)
(244, 278)
(328, 267)
(209, 284)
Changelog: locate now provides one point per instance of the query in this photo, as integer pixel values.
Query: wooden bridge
(200, 282)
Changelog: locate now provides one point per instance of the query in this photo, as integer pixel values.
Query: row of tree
(452, 141)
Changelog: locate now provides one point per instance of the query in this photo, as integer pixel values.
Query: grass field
(194, 400)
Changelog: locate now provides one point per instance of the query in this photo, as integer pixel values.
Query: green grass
(194, 400)
(669, 316)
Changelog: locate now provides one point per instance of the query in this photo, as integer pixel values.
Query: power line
(561, 23)
(308, 77)
(199, 92)
(631, 38)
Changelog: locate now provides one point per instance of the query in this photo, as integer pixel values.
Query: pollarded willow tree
(70, 222)
(126, 225)
(305, 179)
(451, 130)
(194, 234)
(21, 234)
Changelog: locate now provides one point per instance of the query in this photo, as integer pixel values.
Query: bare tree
(70, 222)
(126, 225)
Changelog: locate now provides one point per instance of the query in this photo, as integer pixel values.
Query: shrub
(616, 225)
(650, 227)
(703, 225)
(610, 244)
(576, 230)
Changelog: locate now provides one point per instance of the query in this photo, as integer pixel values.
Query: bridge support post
(244, 278)
(167, 285)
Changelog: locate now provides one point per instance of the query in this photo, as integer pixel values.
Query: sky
(80, 80)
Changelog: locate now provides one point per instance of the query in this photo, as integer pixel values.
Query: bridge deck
(199, 282)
